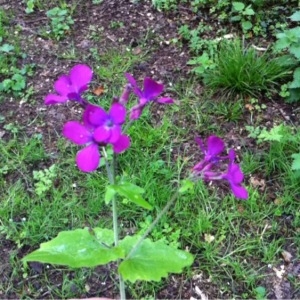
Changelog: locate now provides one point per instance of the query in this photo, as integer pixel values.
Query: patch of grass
(241, 70)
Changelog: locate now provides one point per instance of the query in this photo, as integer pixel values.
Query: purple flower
(152, 90)
(215, 146)
(98, 129)
(70, 87)
(235, 177)
(210, 168)
(108, 125)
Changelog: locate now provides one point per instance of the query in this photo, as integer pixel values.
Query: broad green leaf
(249, 11)
(235, 18)
(295, 49)
(6, 48)
(238, 6)
(152, 260)
(246, 25)
(282, 42)
(78, 248)
(296, 161)
(186, 185)
(296, 82)
(294, 95)
(295, 16)
(275, 134)
(131, 192)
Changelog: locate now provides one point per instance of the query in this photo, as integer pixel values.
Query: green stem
(152, 225)
(111, 176)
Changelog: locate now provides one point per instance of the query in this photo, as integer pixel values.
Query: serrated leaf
(275, 134)
(282, 42)
(295, 16)
(152, 260)
(296, 161)
(238, 6)
(132, 193)
(78, 248)
(296, 81)
(295, 50)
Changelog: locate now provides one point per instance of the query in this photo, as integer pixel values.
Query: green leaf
(238, 6)
(282, 42)
(296, 161)
(78, 248)
(296, 82)
(275, 134)
(295, 16)
(152, 260)
(186, 185)
(249, 11)
(295, 49)
(7, 48)
(246, 25)
(109, 194)
(131, 192)
(235, 18)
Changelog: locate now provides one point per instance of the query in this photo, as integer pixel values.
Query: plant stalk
(110, 168)
(153, 224)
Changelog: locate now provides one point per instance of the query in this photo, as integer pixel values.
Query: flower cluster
(205, 169)
(100, 128)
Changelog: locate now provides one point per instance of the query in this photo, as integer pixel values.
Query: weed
(241, 70)
(164, 4)
(242, 13)
(289, 39)
(44, 179)
(61, 21)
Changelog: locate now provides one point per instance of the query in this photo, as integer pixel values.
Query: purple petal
(200, 143)
(131, 80)
(88, 158)
(115, 133)
(80, 76)
(152, 89)
(54, 99)
(136, 112)
(101, 134)
(94, 115)
(215, 145)
(122, 144)
(165, 100)
(133, 83)
(118, 113)
(77, 133)
(63, 85)
(107, 134)
(235, 174)
(199, 167)
(239, 191)
(231, 155)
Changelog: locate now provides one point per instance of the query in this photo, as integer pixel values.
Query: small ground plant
(241, 70)
(289, 40)
(61, 21)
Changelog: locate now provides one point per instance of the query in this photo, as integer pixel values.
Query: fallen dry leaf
(99, 90)
(258, 183)
(287, 256)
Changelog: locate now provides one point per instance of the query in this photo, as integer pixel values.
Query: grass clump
(241, 70)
